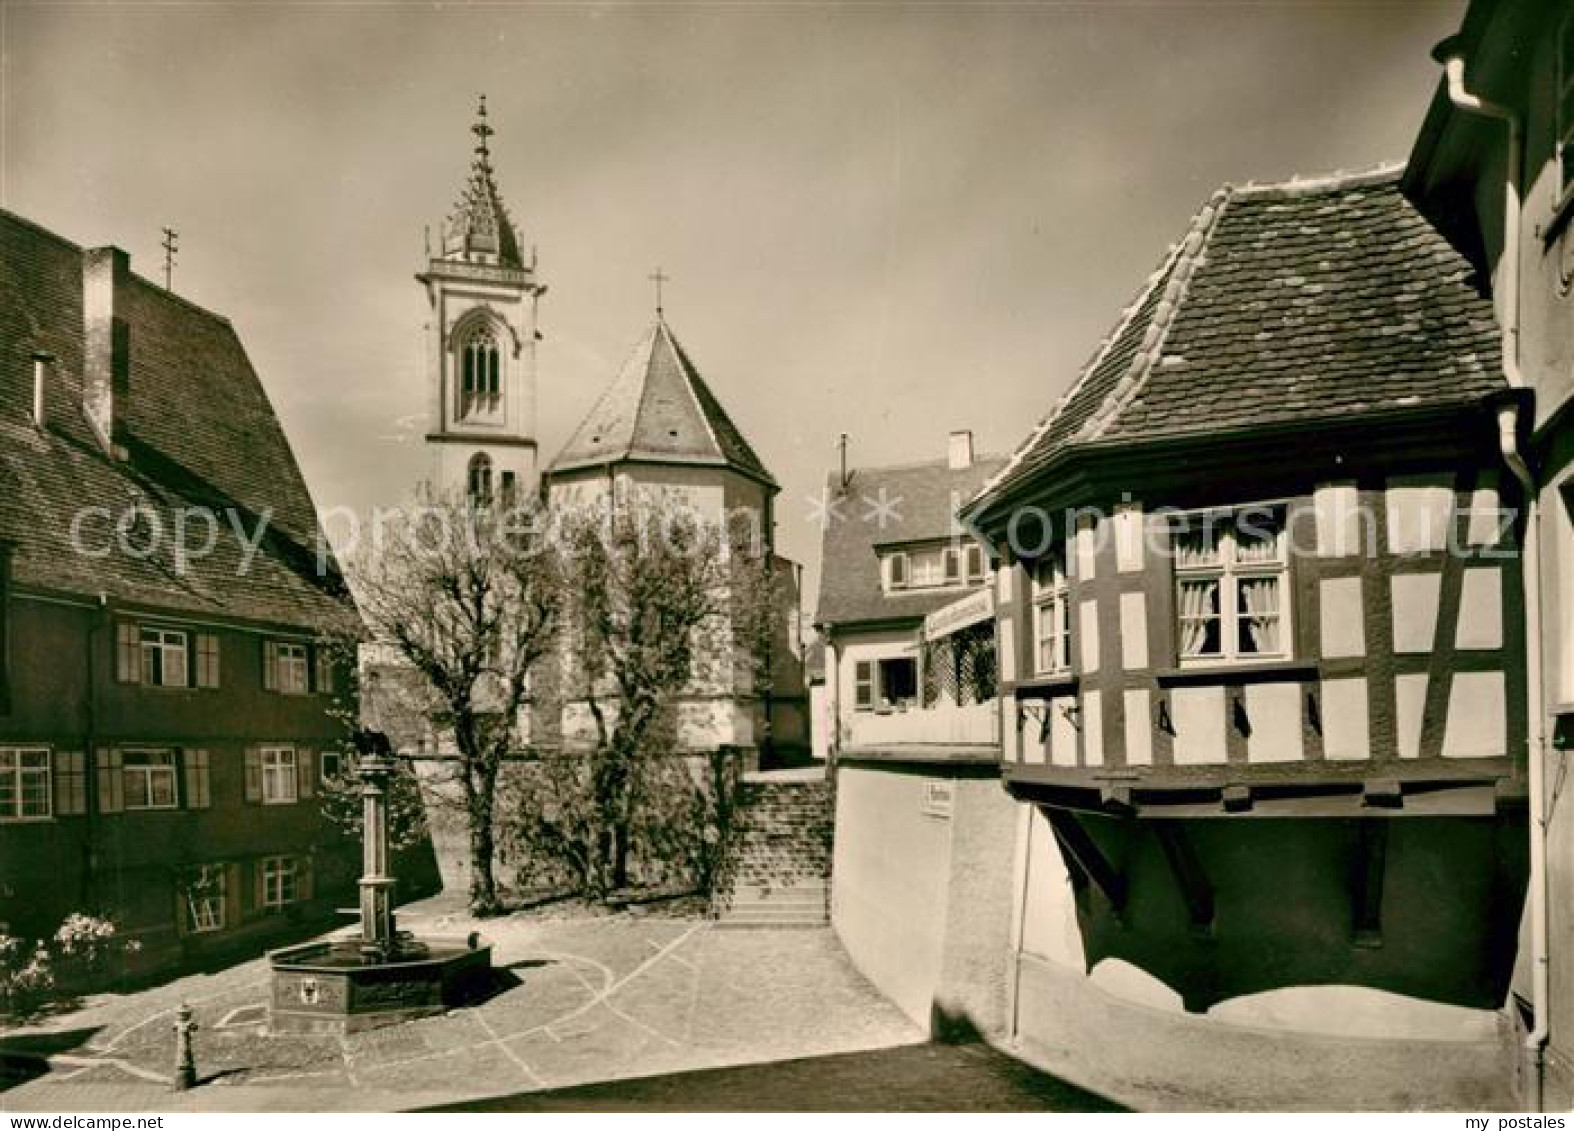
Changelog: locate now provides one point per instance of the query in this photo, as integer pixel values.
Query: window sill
(1273, 671)
(1046, 686)
(44, 820)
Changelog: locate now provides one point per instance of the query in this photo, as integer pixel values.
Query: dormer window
(479, 480)
(934, 566)
(1230, 585)
(480, 374)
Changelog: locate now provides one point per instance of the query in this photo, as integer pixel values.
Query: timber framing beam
(1371, 861)
(1189, 875)
(1084, 854)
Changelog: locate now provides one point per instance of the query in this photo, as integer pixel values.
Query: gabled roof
(660, 410)
(887, 506)
(1287, 303)
(199, 432)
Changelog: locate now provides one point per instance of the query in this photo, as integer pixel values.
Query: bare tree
(468, 599)
(661, 600)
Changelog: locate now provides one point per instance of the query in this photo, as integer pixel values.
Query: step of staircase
(780, 857)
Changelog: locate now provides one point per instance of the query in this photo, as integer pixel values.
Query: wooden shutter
(207, 660)
(898, 570)
(70, 783)
(199, 793)
(111, 782)
(128, 652)
(259, 886)
(253, 774)
(863, 685)
(304, 777)
(232, 901)
(270, 666)
(322, 669)
(303, 878)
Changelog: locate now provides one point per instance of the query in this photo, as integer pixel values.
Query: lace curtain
(1260, 615)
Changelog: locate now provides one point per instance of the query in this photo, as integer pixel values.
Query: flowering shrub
(30, 969)
(26, 973)
(83, 942)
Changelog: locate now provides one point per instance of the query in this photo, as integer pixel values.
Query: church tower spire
(481, 341)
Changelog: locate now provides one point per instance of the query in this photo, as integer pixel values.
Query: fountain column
(379, 938)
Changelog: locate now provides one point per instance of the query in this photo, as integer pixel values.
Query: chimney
(959, 453)
(40, 374)
(106, 341)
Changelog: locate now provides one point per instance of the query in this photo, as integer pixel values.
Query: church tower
(481, 343)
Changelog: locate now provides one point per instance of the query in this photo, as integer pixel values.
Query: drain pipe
(1509, 418)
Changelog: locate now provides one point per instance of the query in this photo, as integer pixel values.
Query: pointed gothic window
(480, 374)
(480, 479)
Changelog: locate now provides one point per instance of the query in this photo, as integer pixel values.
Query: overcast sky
(889, 221)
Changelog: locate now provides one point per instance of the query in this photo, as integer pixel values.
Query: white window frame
(884, 702)
(292, 668)
(1228, 570)
(1052, 615)
(280, 775)
(325, 759)
(139, 778)
(160, 648)
(206, 894)
(23, 764)
(281, 881)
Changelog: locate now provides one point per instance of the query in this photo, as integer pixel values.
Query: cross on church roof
(659, 277)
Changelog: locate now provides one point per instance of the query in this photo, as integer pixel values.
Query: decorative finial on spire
(659, 277)
(482, 131)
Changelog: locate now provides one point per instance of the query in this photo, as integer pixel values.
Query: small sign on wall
(937, 799)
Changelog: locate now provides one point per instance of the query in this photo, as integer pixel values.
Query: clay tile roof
(199, 432)
(921, 502)
(1283, 303)
(660, 409)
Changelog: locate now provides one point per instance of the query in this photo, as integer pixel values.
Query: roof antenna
(170, 245)
(659, 277)
(842, 446)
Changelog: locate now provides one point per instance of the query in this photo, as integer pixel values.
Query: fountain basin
(329, 987)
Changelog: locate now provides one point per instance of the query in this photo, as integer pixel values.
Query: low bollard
(185, 1065)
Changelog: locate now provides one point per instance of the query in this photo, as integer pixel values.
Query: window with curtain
(1231, 574)
(1051, 615)
(480, 373)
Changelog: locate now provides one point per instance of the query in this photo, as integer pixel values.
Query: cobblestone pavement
(596, 999)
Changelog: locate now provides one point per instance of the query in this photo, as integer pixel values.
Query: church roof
(1284, 304)
(660, 410)
(198, 432)
(479, 225)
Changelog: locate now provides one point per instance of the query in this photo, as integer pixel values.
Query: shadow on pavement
(930, 1077)
(25, 1057)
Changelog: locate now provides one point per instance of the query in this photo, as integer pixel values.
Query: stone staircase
(779, 862)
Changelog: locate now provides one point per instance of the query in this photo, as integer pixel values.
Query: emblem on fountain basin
(384, 975)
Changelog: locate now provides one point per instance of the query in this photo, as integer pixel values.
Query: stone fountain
(385, 975)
